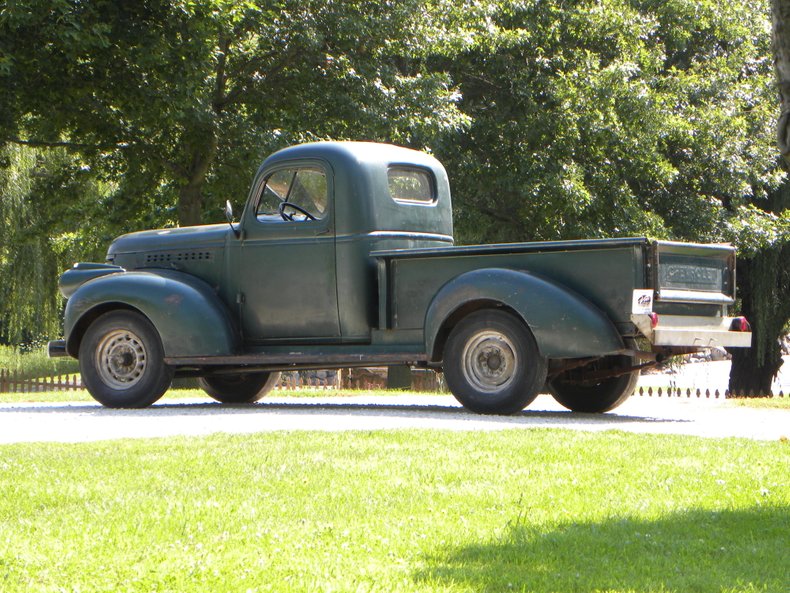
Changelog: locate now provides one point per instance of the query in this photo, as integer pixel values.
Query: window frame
(267, 219)
(411, 168)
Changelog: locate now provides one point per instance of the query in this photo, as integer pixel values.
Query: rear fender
(564, 324)
(189, 316)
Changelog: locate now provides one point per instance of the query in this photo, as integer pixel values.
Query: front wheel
(122, 361)
(239, 389)
(492, 363)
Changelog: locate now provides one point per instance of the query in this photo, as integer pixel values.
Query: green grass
(412, 511)
(782, 403)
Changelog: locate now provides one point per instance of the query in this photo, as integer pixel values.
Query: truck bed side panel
(604, 276)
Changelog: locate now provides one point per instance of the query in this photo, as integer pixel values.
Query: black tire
(598, 397)
(239, 389)
(492, 363)
(122, 361)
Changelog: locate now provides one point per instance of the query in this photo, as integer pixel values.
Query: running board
(285, 361)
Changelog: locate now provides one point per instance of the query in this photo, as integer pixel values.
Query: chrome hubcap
(121, 359)
(490, 361)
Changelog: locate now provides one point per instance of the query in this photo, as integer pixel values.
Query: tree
(179, 100)
(763, 284)
(612, 118)
(764, 274)
(40, 236)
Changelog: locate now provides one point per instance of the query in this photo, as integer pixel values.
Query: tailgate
(694, 274)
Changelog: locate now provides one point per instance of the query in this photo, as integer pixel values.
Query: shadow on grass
(702, 551)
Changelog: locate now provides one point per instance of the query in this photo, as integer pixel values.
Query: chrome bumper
(697, 332)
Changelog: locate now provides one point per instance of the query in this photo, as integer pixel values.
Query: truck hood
(196, 237)
(195, 249)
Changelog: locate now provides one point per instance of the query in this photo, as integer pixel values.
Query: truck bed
(688, 279)
(605, 271)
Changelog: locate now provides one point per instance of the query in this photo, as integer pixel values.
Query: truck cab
(314, 215)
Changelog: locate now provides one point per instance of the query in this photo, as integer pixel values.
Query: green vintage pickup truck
(344, 257)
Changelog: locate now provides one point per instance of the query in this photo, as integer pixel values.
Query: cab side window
(294, 194)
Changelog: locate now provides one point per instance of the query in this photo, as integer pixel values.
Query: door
(287, 281)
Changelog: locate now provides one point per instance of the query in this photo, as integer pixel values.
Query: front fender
(187, 313)
(564, 324)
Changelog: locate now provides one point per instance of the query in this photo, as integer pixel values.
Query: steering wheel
(283, 205)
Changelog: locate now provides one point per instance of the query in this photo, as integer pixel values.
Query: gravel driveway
(76, 422)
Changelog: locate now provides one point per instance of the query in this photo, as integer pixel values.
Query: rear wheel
(122, 361)
(239, 389)
(492, 363)
(575, 392)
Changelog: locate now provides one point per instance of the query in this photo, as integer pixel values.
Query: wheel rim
(121, 359)
(489, 361)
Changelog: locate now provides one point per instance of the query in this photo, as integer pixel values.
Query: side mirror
(229, 218)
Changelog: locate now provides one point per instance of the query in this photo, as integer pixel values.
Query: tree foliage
(764, 233)
(45, 198)
(178, 100)
(613, 118)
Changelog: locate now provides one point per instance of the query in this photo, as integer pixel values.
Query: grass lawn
(412, 511)
(761, 402)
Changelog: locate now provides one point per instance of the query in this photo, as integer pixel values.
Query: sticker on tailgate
(642, 302)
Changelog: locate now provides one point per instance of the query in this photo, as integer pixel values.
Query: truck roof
(360, 153)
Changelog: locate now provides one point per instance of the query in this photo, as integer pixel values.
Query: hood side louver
(178, 256)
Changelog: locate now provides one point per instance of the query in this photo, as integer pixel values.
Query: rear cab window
(411, 185)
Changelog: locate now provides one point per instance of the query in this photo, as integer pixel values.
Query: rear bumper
(696, 332)
(57, 349)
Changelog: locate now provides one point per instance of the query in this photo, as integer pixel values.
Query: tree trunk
(763, 302)
(190, 205)
(190, 195)
(780, 12)
(750, 378)
(203, 149)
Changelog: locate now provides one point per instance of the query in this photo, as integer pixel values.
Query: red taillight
(740, 324)
(653, 319)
